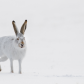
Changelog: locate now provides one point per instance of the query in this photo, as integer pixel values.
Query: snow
(55, 41)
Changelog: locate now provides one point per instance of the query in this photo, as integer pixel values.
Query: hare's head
(20, 39)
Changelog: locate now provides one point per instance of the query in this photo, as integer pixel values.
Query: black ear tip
(25, 20)
(13, 21)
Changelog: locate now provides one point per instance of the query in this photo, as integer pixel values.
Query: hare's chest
(17, 54)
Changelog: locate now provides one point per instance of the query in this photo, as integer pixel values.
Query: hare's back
(2, 41)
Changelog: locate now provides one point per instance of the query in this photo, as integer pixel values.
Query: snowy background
(55, 41)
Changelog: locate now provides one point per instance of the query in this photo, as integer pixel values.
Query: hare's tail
(3, 59)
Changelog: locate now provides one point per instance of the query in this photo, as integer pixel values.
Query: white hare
(13, 48)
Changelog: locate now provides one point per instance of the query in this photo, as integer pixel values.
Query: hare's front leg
(20, 61)
(11, 65)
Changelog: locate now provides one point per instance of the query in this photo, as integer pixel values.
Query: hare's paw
(0, 69)
(20, 72)
(12, 71)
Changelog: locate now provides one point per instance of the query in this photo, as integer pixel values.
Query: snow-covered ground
(55, 41)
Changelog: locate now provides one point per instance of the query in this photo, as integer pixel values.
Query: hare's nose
(21, 45)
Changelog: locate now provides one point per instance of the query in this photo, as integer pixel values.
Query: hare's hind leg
(11, 65)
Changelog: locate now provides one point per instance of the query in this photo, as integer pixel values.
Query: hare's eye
(17, 38)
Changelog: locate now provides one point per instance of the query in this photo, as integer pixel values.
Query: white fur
(8, 49)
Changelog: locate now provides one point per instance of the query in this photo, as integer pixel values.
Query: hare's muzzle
(22, 45)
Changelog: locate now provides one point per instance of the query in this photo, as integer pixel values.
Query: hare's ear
(23, 28)
(15, 28)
